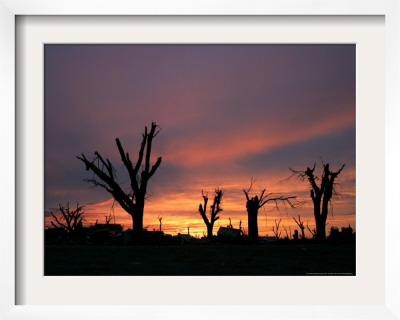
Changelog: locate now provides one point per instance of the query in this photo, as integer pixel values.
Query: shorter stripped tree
(215, 209)
(301, 226)
(253, 204)
(68, 221)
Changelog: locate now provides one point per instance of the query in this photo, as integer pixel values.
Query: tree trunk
(137, 219)
(319, 220)
(320, 224)
(209, 231)
(303, 236)
(317, 208)
(253, 225)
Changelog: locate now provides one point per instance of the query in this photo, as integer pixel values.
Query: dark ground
(224, 259)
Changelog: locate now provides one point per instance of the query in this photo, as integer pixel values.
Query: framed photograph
(315, 84)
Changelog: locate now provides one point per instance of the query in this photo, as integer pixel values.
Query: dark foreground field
(269, 259)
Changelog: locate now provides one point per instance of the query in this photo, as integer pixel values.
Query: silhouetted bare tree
(108, 219)
(132, 202)
(69, 220)
(215, 209)
(301, 226)
(275, 229)
(286, 231)
(253, 204)
(312, 231)
(321, 195)
(160, 220)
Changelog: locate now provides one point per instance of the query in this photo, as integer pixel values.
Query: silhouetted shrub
(334, 234)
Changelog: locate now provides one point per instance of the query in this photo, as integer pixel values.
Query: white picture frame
(8, 11)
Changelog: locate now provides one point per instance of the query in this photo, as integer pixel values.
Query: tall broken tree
(139, 173)
(253, 204)
(321, 195)
(215, 209)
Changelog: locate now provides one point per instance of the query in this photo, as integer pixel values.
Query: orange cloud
(101, 203)
(243, 139)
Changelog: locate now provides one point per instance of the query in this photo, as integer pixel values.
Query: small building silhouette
(229, 232)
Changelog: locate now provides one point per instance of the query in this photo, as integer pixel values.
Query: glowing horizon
(178, 223)
(234, 206)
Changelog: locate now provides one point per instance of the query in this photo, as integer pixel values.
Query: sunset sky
(227, 113)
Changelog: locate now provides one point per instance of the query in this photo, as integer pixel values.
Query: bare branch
(252, 180)
(69, 219)
(301, 226)
(313, 232)
(282, 199)
(275, 229)
(155, 167)
(59, 223)
(141, 151)
(247, 195)
(96, 183)
(287, 234)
